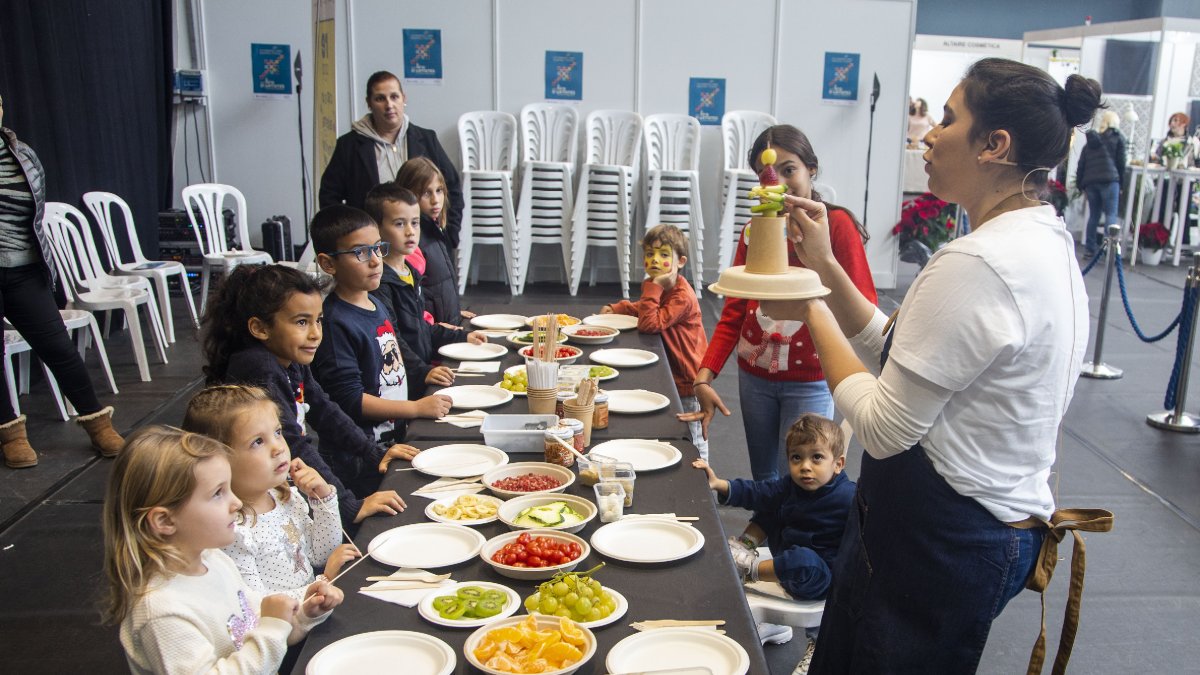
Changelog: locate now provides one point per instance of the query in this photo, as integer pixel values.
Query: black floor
(1141, 605)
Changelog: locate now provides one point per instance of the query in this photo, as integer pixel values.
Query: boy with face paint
(668, 307)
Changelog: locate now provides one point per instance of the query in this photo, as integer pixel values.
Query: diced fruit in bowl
(565, 354)
(534, 554)
(567, 513)
(591, 335)
(531, 644)
(524, 478)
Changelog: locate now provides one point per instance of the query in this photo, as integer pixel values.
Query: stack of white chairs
(489, 158)
(102, 204)
(88, 287)
(604, 205)
(15, 345)
(673, 182)
(739, 128)
(207, 199)
(549, 152)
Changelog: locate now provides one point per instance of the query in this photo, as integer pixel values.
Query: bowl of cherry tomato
(534, 554)
(527, 478)
(591, 335)
(565, 354)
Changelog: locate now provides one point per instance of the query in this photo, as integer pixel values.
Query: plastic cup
(621, 473)
(610, 500)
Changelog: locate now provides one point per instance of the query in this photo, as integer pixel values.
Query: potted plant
(1056, 194)
(926, 224)
(1152, 240)
(1173, 154)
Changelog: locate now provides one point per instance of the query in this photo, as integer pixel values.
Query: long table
(662, 424)
(702, 586)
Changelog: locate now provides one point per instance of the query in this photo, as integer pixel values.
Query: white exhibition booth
(638, 55)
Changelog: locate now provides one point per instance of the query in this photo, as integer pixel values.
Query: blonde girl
(180, 602)
(438, 240)
(277, 540)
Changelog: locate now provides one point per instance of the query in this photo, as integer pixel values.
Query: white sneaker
(802, 667)
(773, 633)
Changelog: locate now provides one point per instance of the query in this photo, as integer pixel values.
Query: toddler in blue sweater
(801, 516)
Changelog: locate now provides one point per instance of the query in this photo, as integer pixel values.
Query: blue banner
(706, 99)
(564, 75)
(841, 77)
(422, 54)
(272, 70)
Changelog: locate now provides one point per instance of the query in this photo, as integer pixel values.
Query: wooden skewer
(570, 447)
(401, 586)
(347, 569)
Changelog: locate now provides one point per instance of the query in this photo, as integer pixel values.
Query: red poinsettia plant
(1056, 194)
(926, 219)
(1153, 236)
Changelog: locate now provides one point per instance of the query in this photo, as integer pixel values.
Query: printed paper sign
(841, 77)
(272, 70)
(422, 54)
(706, 99)
(564, 75)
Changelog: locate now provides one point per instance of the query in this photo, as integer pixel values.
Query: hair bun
(1081, 100)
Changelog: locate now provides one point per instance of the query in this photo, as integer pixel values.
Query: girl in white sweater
(181, 604)
(277, 542)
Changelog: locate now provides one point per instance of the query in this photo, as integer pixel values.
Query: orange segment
(563, 652)
(571, 632)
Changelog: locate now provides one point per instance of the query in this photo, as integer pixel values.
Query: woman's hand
(710, 402)
(808, 230)
(397, 451)
(788, 310)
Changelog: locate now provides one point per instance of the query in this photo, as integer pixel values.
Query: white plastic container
(508, 432)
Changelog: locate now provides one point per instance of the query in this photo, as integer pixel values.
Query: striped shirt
(17, 245)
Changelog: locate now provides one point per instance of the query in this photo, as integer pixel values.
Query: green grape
(603, 610)
(585, 591)
(563, 612)
(583, 607)
(532, 603)
(596, 614)
(549, 604)
(560, 589)
(570, 599)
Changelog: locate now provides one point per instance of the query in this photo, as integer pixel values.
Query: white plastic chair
(673, 181)
(827, 192)
(15, 345)
(101, 205)
(548, 155)
(306, 263)
(604, 202)
(208, 198)
(739, 129)
(84, 290)
(489, 157)
(769, 603)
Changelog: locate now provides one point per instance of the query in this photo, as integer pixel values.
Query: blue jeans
(1101, 198)
(768, 409)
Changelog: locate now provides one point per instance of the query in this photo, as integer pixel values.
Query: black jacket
(353, 171)
(1102, 160)
(440, 281)
(406, 305)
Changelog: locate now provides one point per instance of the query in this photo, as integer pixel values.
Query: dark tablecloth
(702, 586)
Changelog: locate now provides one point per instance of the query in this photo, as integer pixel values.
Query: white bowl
(608, 334)
(543, 623)
(563, 474)
(510, 509)
(527, 353)
(532, 573)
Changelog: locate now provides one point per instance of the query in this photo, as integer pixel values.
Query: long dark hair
(250, 291)
(1028, 104)
(789, 138)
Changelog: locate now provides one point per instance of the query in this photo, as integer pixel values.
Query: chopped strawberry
(768, 176)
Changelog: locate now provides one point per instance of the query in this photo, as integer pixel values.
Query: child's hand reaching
(279, 606)
(476, 338)
(397, 451)
(308, 481)
(385, 501)
(434, 406)
(714, 483)
(607, 309)
(320, 598)
(441, 376)
(340, 556)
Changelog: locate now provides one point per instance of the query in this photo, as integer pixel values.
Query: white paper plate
(636, 401)
(426, 610)
(622, 607)
(426, 545)
(618, 321)
(474, 396)
(465, 351)
(499, 321)
(380, 651)
(643, 454)
(459, 460)
(626, 358)
(678, 648)
(447, 501)
(494, 333)
(647, 540)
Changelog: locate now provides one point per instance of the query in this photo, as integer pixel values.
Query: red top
(675, 314)
(775, 350)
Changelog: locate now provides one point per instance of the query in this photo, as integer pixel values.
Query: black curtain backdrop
(87, 85)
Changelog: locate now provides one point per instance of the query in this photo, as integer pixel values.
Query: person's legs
(795, 399)
(14, 444)
(1095, 206)
(1110, 195)
(760, 417)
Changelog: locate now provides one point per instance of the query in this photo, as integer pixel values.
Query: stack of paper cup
(584, 414)
(541, 401)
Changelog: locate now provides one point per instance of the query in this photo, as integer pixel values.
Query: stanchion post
(1178, 419)
(1096, 368)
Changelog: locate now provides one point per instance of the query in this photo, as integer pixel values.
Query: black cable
(303, 162)
(199, 155)
(187, 159)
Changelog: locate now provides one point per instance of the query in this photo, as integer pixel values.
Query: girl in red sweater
(779, 377)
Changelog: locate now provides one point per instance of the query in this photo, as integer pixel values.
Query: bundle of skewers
(542, 369)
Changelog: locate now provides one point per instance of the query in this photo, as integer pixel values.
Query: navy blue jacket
(441, 279)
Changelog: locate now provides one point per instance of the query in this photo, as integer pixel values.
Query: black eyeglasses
(364, 253)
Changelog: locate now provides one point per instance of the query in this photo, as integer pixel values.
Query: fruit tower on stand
(766, 274)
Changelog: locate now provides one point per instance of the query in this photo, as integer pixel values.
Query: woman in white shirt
(960, 422)
(920, 122)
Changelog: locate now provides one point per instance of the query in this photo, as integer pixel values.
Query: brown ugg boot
(18, 454)
(98, 425)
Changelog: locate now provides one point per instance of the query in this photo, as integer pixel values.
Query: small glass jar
(600, 414)
(576, 427)
(563, 397)
(554, 452)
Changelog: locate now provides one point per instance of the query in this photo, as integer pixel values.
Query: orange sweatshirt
(674, 314)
